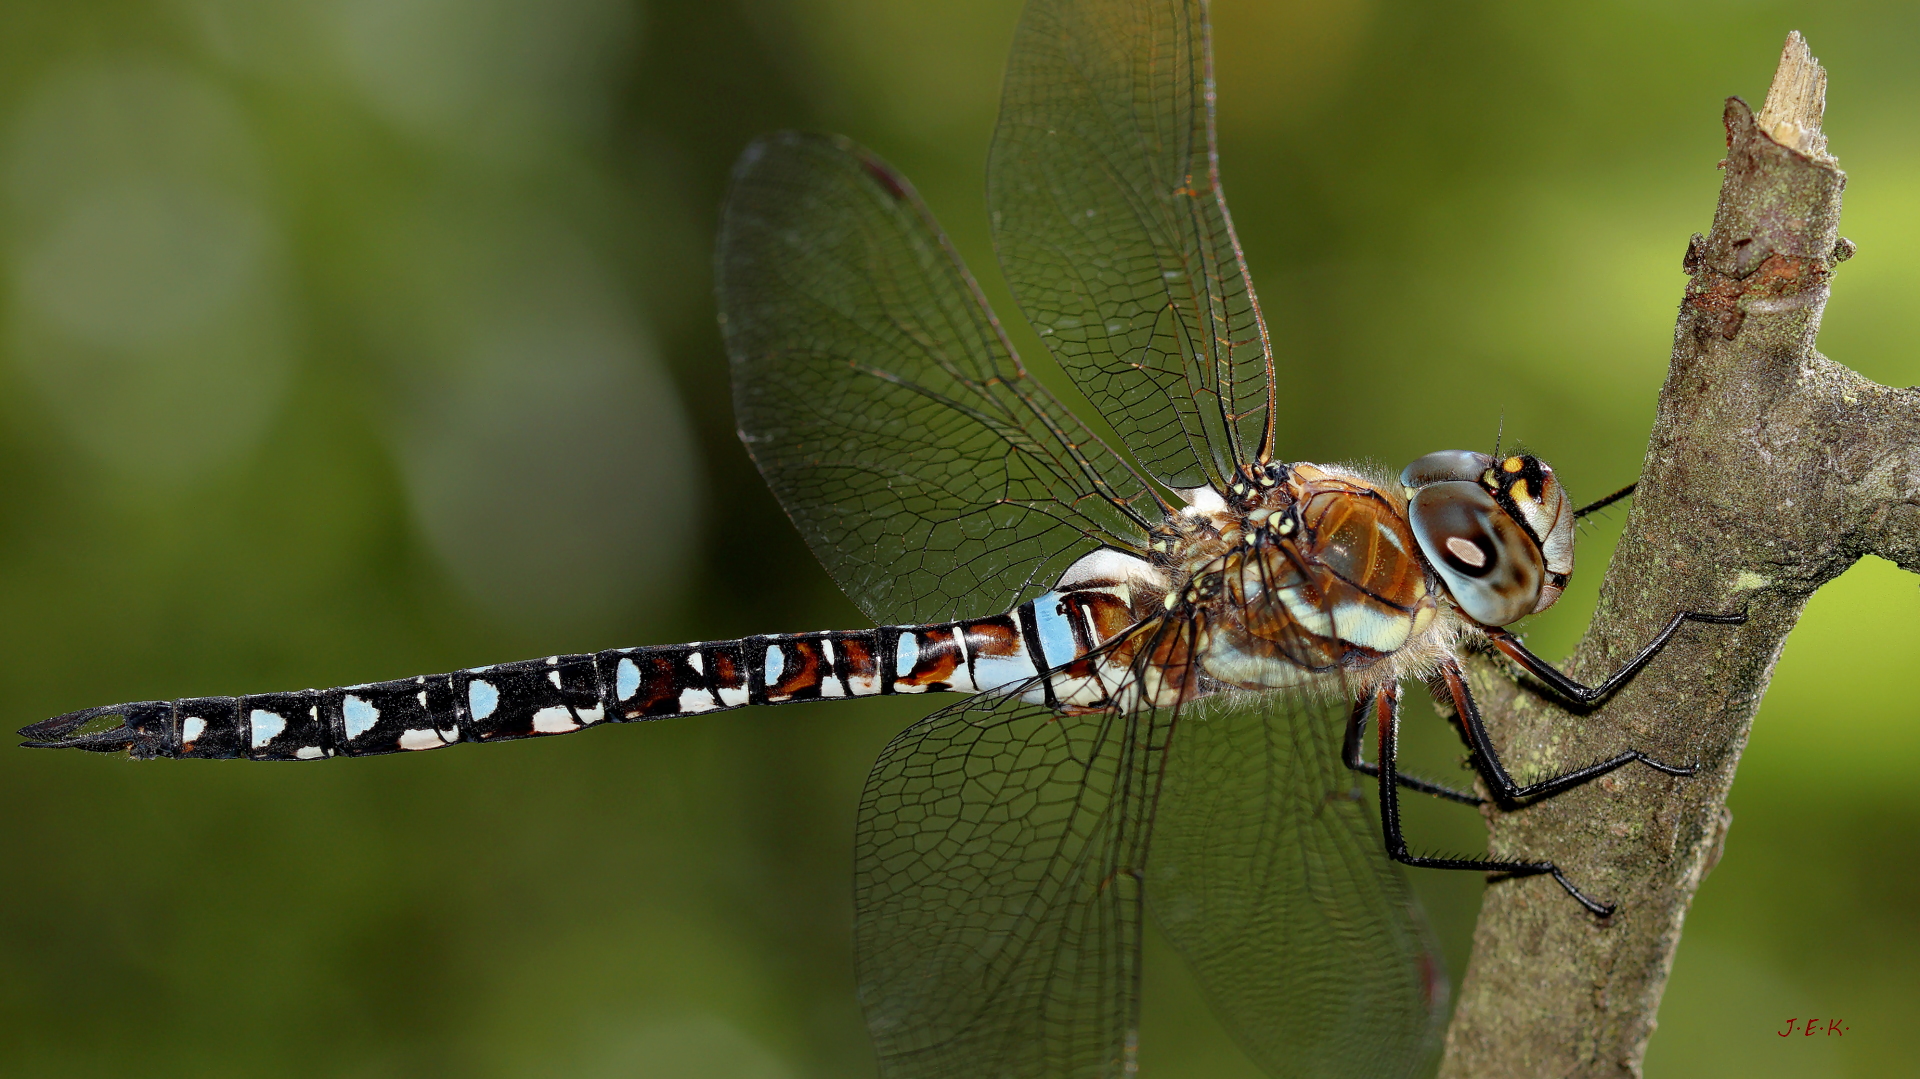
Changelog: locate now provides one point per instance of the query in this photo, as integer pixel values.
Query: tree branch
(1769, 471)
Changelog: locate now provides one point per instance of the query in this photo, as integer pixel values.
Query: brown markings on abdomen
(994, 637)
(863, 673)
(804, 665)
(1102, 612)
(724, 666)
(662, 679)
(936, 657)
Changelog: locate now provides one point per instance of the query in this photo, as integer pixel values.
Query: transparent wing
(1268, 875)
(1112, 230)
(998, 904)
(930, 474)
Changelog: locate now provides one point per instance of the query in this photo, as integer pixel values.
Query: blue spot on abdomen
(360, 716)
(482, 698)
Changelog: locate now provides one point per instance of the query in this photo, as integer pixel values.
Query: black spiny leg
(1386, 705)
(1586, 696)
(1355, 759)
(1507, 792)
(1595, 507)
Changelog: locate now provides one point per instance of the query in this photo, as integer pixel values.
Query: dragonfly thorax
(1315, 578)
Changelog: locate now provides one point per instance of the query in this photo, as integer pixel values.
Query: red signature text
(1807, 1028)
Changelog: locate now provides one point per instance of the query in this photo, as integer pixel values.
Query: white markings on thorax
(1371, 626)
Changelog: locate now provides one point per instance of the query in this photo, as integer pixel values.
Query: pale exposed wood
(1797, 100)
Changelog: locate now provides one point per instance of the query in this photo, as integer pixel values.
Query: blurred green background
(345, 340)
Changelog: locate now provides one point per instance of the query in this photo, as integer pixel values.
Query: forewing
(1269, 876)
(1111, 228)
(930, 474)
(998, 905)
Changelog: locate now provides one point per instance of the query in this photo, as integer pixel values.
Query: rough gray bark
(1769, 471)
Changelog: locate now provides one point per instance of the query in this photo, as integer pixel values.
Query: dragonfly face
(1498, 534)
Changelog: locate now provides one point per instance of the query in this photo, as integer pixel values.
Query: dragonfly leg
(1506, 790)
(1386, 705)
(1587, 696)
(1355, 759)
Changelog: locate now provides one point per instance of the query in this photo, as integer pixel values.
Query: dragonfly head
(1498, 532)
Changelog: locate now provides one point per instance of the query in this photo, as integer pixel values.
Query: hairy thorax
(1314, 579)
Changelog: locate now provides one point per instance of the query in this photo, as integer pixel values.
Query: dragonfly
(1174, 647)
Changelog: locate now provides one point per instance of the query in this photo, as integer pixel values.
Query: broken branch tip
(1797, 100)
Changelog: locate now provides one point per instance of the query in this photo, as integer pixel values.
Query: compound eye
(1487, 561)
(1445, 465)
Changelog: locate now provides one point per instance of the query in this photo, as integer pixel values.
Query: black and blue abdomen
(563, 694)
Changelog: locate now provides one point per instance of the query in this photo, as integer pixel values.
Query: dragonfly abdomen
(563, 694)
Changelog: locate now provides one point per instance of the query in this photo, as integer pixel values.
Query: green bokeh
(351, 339)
